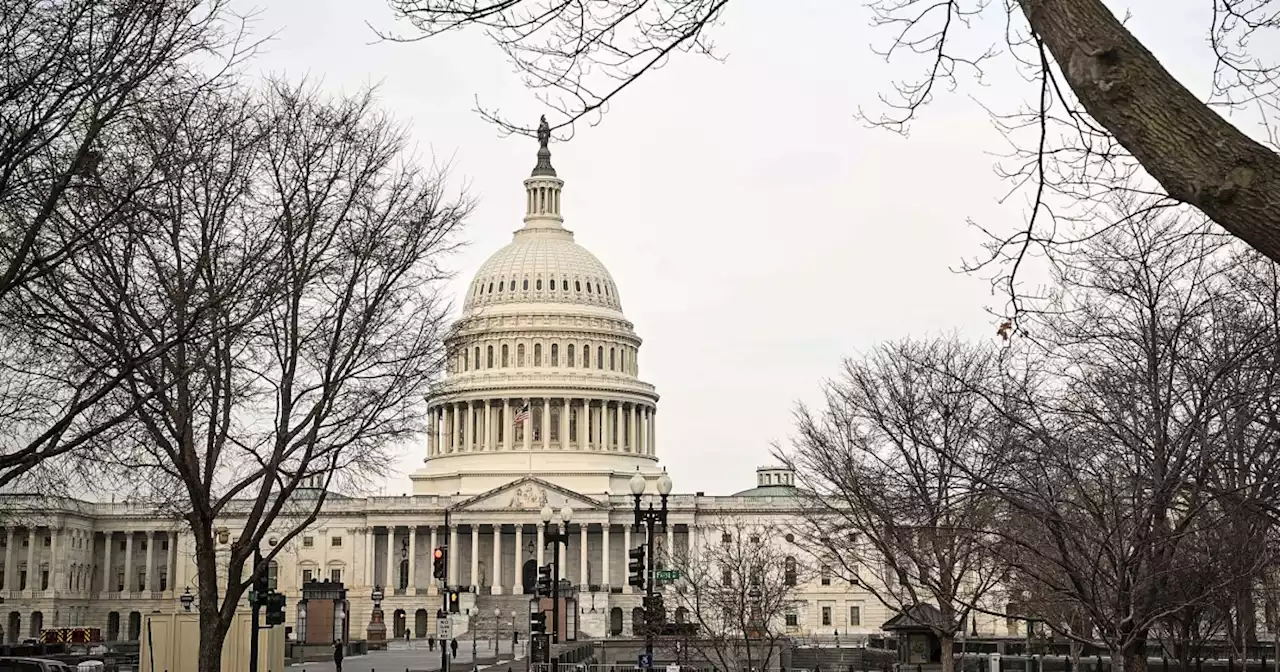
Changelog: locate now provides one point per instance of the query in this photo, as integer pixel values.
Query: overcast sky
(757, 232)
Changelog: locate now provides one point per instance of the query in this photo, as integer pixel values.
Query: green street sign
(668, 574)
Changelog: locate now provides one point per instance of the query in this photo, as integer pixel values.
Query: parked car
(33, 665)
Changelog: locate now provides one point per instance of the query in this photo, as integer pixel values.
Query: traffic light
(454, 600)
(440, 564)
(635, 567)
(537, 623)
(544, 581)
(275, 608)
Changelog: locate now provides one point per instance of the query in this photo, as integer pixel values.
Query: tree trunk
(1196, 155)
(948, 645)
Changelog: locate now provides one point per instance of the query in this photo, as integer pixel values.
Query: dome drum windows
(537, 354)
(569, 356)
(520, 354)
(555, 355)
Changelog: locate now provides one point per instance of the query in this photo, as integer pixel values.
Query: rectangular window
(306, 576)
(855, 616)
(44, 579)
(826, 575)
(124, 545)
(273, 575)
(826, 615)
(164, 544)
(142, 580)
(308, 542)
(793, 620)
(47, 542)
(22, 580)
(164, 580)
(335, 575)
(335, 542)
(120, 581)
(726, 578)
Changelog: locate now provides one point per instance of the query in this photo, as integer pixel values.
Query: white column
(583, 414)
(488, 426)
(671, 543)
(11, 570)
(600, 444)
(128, 561)
(435, 543)
(518, 587)
(455, 558)
(370, 579)
(626, 554)
(171, 569)
(582, 555)
(564, 424)
(54, 560)
(542, 540)
(527, 426)
(106, 560)
(413, 557)
(508, 427)
(431, 432)
(606, 422)
(631, 431)
(442, 428)
(391, 583)
(150, 559)
(457, 427)
(546, 423)
(605, 569)
(475, 557)
(469, 441)
(643, 428)
(496, 570)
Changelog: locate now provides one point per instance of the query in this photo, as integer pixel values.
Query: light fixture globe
(637, 484)
(566, 514)
(497, 612)
(547, 513)
(664, 484)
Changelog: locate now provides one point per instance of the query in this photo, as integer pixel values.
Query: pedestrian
(515, 637)
(453, 647)
(431, 643)
(337, 655)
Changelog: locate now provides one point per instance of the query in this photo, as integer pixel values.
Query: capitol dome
(545, 266)
(543, 377)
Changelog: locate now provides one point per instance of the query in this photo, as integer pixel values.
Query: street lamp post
(186, 599)
(555, 537)
(497, 630)
(649, 518)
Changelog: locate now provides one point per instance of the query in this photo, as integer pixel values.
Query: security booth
(919, 649)
(323, 613)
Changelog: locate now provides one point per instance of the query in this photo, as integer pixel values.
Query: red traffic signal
(439, 564)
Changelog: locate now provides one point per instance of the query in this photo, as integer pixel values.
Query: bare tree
(886, 466)
(79, 77)
(296, 245)
(1104, 110)
(1113, 478)
(738, 589)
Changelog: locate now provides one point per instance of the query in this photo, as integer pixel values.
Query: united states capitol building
(545, 403)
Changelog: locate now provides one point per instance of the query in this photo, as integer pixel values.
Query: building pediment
(529, 494)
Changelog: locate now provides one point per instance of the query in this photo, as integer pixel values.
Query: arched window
(488, 360)
(555, 355)
(504, 356)
(613, 359)
(597, 288)
(586, 356)
(466, 362)
(553, 284)
(538, 285)
(588, 286)
(537, 354)
(606, 289)
(499, 285)
(526, 284)
(564, 282)
(490, 287)
(520, 354)
(477, 359)
(577, 285)
(622, 360)
(568, 356)
(599, 356)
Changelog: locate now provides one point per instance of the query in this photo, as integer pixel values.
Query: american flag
(523, 414)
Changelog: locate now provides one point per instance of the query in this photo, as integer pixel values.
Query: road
(421, 659)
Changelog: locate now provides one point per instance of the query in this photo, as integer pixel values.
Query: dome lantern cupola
(542, 189)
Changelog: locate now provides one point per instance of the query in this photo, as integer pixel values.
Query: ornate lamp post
(649, 518)
(376, 633)
(187, 599)
(497, 629)
(555, 536)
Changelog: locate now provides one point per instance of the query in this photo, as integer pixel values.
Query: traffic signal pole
(255, 608)
(444, 646)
